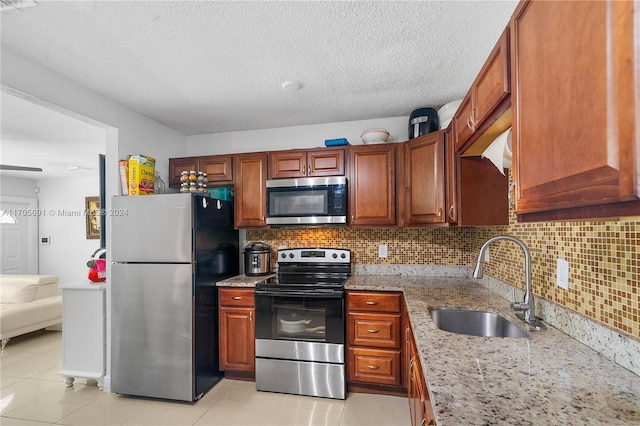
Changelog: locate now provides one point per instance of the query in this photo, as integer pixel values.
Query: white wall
(69, 250)
(312, 136)
(16, 187)
(127, 132)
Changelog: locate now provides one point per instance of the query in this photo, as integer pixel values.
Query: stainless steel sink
(475, 323)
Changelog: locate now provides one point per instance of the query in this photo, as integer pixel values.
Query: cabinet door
(325, 162)
(461, 122)
(492, 84)
(372, 185)
(424, 178)
(451, 176)
(217, 167)
(287, 164)
(237, 339)
(250, 190)
(575, 110)
(177, 165)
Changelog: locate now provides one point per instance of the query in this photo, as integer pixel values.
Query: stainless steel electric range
(300, 324)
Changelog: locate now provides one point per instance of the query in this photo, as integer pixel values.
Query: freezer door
(152, 228)
(151, 327)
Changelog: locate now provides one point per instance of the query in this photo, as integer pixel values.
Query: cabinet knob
(373, 331)
(439, 213)
(237, 297)
(369, 302)
(304, 169)
(451, 212)
(372, 367)
(250, 316)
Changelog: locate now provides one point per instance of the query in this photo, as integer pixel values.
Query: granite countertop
(548, 378)
(243, 280)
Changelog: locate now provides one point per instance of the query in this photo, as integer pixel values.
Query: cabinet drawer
(378, 330)
(374, 366)
(373, 301)
(236, 297)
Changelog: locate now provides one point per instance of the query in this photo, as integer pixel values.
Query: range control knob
(343, 255)
(335, 256)
(284, 256)
(291, 255)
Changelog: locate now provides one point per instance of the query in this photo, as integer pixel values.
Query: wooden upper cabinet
(308, 163)
(424, 180)
(451, 177)
(481, 116)
(177, 165)
(217, 167)
(372, 185)
(250, 190)
(575, 130)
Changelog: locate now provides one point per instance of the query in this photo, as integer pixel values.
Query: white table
(83, 331)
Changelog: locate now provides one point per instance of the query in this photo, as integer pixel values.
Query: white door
(18, 237)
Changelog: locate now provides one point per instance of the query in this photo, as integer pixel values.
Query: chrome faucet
(528, 306)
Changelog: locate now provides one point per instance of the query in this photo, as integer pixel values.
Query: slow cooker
(257, 259)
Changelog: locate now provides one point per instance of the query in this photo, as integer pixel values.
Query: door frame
(32, 232)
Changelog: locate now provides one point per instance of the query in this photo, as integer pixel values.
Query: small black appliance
(423, 121)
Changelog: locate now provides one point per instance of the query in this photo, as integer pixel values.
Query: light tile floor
(34, 394)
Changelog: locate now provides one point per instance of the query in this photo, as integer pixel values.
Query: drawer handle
(372, 367)
(237, 297)
(371, 303)
(371, 330)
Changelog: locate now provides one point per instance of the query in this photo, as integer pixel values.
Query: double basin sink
(475, 323)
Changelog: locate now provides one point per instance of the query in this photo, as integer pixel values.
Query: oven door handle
(284, 293)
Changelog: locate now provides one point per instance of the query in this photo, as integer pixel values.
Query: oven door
(305, 316)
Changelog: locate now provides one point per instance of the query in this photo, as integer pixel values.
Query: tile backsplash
(603, 256)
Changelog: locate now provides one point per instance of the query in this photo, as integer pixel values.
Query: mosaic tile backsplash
(603, 256)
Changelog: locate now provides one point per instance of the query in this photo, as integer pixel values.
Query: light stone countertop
(547, 379)
(243, 281)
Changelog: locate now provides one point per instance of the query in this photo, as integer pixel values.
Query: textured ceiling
(217, 66)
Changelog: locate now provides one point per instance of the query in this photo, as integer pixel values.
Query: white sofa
(28, 303)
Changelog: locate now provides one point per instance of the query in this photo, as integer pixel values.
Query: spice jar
(204, 178)
(192, 176)
(184, 187)
(193, 187)
(184, 176)
(202, 187)
(200, 178)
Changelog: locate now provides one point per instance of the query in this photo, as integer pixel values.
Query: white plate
(373, 142)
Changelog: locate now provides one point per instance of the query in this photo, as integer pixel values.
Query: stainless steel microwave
(307, 201)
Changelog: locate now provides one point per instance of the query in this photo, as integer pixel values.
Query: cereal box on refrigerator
(142, 172)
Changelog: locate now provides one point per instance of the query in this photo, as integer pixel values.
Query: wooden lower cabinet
(237, 330)
(420, 407)
(374, 342)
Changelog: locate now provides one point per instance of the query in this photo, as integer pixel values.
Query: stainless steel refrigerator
(168, 252)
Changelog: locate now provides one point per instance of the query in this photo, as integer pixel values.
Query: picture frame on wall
(92, 214)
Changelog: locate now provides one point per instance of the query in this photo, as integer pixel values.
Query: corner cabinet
(575, 134)
(372, 185)
(308, 163)
(250, 190)
(237, 330)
